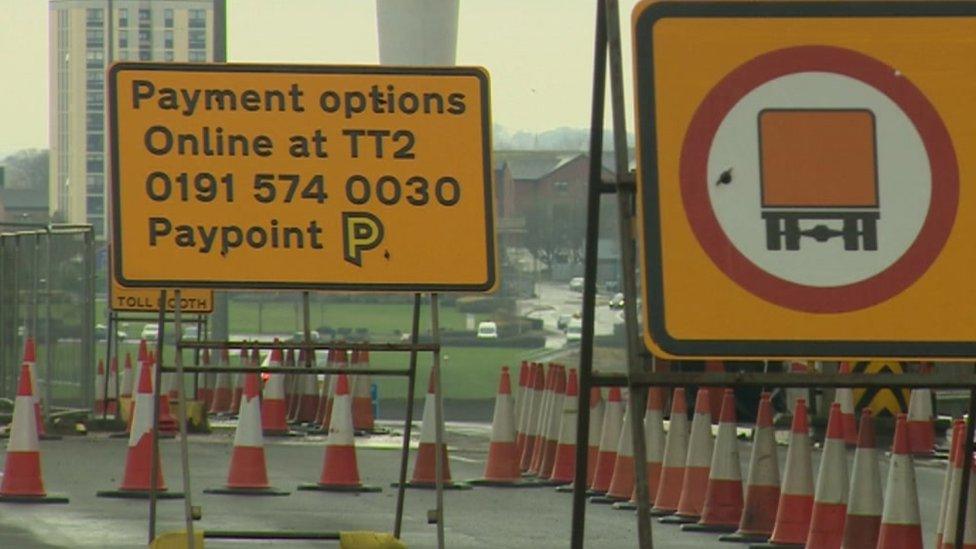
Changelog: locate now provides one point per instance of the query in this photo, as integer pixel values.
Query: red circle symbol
(816, 299)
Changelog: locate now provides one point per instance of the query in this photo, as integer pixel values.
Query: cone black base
(270, 491)
(655, 512)
(374, 431)
(678, 519)
(605, 500)
(625, 506)
(565, 489)
(525, 483)
(50, 498)
(137, 494)
(432, 486)
(283, 434)
(361, 488)
(711, 528)
(739, 537)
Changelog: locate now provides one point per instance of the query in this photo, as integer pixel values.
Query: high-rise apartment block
(86, 36)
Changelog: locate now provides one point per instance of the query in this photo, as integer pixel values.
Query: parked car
(576, 284)
(487, 330)
(563, 321)
(617, 301)
(574, 331)
(150, 332)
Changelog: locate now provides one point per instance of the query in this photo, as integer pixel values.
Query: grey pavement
(483, 517)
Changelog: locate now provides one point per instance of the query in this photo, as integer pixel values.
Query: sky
(539, 54)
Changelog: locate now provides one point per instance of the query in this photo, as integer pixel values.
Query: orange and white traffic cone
(654, 440)
(830, 498)
(100, 388)
(675, 452)
(248, 474)
(845, 397)
(921, 421)
(597, 411)
(866, 504)
(137, 479)
(22, 478)
(340, 471)
(762, 485)
(723, 499)
(341, 361)
(223, 393)
(796, 493)
(609, 438)
(362, 402)
(274, 419)
(30, 359)
(622, 481)
(167, 423)
(969, 534)
(901, 526)
(545, 411)
(205, 390)
(308, 396)
(525, 374)
(502, 467)
(424, 468)
(697, 464)
(955, 455)
(554, 422)
(536, 394)
(564, 466)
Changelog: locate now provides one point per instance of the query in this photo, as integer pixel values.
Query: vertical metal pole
(589, 277)
(408, 422)
(181, 415)
(88, 324)
(967, 460)
(628, 261)
(108, 364)
(439, 452)
(48, 341)
(157, 382)
(307, 325)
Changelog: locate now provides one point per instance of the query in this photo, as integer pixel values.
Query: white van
(487, 330)
(574, 330)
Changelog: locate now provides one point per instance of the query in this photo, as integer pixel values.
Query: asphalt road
(484, 517)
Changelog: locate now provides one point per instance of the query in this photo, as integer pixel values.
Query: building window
(168, 55)
(123, 39)
(94, 38)
(145, 55)
(168, 39)
(94, 59)
(96, 205)
(95, 79)
(124, 55)
(123, 17)
(197, 56)
(145, 38)
(95, 163)
(95, 142)
(94, 122)
(198, 19)
(93, 100)
(198, 39)
(95, 184)
(168, 18)
(145, 17)
(98, 226)
(94, 17)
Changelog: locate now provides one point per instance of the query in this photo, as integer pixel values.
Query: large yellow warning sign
(351, 178)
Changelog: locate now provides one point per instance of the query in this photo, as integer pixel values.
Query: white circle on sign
(904, 182)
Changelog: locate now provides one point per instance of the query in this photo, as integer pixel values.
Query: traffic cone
(502, 467)
(564, 466)
(100, 388)
(715, 396)
(274, 421)
(424, 468)
(22, 479)
(525, 374)
(597, 411)
(112, 396)
(865, 505)
(796, 494)
(554, 421)
(238, 390)
(921, 424)
(951, 486)
(901, 526)
(340, 472)
(654, 443)
(341, 361)
(532, 418)
(762, 486)
(223, 393)
(30, 359)
(845, 397)
(126, 382)
(609, 438)
(330, 362)
(205, 390)
(308, 397)
(697, 464)
(362, 402)
(542, 429)
(969, 535)
(622, 481)
(167, 423)
(723, 498)
(675, 453)
(137, 480)
(830, 498)
(248, 474)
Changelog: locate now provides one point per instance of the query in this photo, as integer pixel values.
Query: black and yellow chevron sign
(881, 401)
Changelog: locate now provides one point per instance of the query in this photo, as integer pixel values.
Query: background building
(84, 40)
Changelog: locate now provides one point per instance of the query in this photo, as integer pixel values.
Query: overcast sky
(539, 54)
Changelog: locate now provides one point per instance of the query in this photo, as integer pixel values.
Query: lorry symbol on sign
(818, 165)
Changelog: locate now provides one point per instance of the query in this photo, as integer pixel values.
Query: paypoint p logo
(361, 231)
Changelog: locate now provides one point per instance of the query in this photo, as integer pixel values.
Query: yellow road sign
(799, 178)
(146, 300)
(881, 402)
(324, 177)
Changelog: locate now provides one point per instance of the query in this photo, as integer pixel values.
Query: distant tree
(27, 169)
(555, 231)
